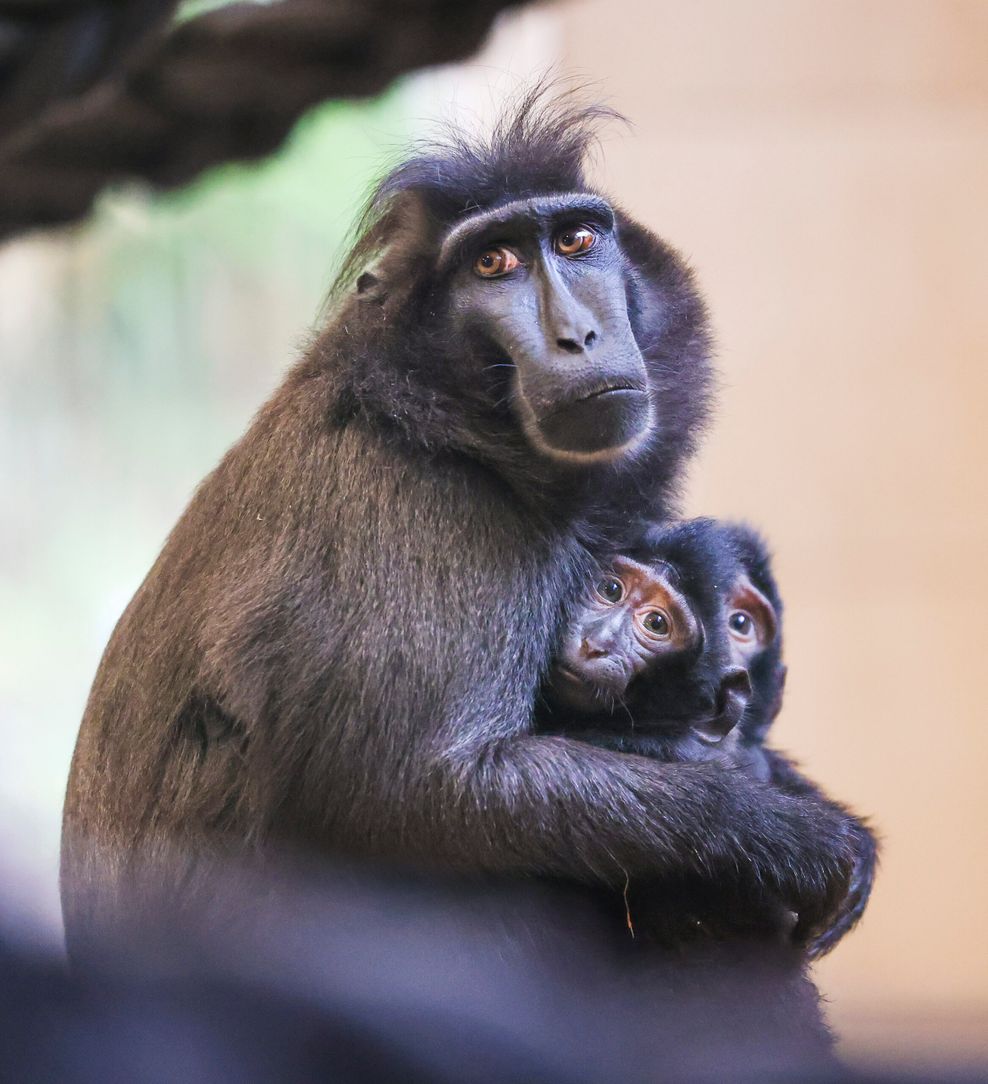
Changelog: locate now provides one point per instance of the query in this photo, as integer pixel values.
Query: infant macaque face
(633, 616)
(666, 648)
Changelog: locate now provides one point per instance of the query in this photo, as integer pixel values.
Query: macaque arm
(821, 940)
(547, 804)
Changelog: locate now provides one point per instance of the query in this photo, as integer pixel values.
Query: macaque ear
(746, 597)
(369, 287)
(402, 241)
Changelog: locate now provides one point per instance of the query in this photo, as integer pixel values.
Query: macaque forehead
(524, 212)
(653, 587)
(644, 583)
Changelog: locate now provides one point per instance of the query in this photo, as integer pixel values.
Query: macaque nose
(577, 342)
(733, 697)
(569, 322)
(592, 649)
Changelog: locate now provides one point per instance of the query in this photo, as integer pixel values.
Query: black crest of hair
(541, 147)
(340, 646)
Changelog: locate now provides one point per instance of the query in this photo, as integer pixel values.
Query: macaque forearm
(554, 806)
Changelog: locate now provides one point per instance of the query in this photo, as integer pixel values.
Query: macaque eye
(494, 262)
(741, 624)
(610, 589)
(571, 242)
(656, 623)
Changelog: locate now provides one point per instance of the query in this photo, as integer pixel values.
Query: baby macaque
(675, 653)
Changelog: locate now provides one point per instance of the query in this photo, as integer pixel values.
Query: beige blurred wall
(825, 167)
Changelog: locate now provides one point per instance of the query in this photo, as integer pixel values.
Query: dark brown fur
(341, 642)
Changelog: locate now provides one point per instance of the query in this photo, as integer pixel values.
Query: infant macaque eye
(741, 623)
(610, 589)
(657, 623)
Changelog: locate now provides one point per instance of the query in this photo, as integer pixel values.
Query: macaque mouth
(583, 693)
(612, 388)
(605, 419)
(732, 700)
(596, 391)
(571, 677)
(714, 730)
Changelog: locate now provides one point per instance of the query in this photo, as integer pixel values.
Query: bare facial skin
(542, 280)
(751, 620)
(633, 615)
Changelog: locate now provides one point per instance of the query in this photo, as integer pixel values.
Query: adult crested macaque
(675, 652)
(513, 369)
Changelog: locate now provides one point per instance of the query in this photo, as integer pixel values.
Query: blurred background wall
(824, 164)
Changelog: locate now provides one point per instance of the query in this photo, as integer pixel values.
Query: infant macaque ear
(732, 699)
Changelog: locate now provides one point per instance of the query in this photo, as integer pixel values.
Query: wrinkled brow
(523, 209)
(647, 567)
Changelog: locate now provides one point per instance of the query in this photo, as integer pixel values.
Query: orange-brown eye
(741, 624)
(573, 242)
(493, 262)
(657, 623)
(610, 589)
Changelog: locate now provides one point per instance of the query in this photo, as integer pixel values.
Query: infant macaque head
(753, 590)
(675, 635)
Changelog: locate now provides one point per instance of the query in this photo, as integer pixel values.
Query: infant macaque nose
(733, 697)
(591, 649)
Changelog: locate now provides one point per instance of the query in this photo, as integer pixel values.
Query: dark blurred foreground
(349, 978)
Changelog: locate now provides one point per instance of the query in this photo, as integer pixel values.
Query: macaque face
(634, 617)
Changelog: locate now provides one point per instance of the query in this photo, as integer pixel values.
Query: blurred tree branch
(97, 91)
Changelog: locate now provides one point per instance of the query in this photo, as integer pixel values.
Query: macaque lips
(608, 420)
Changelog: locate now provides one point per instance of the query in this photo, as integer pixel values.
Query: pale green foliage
(133, 351)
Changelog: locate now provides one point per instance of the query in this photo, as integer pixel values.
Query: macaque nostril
(590, 650)
(571, 346)
(591, 338)
(735, 686)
